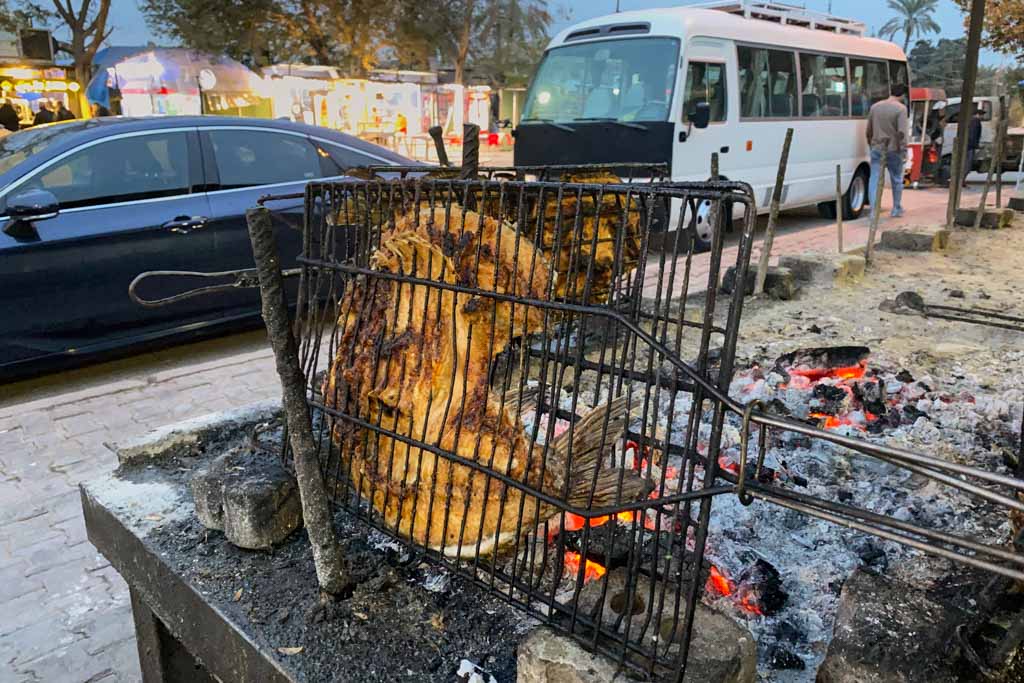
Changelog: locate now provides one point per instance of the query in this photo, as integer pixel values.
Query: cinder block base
(824, 268)
(992, 219)
(915, 238)
(1016, 203)
(779, 283)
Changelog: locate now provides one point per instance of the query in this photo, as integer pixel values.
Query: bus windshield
(609, 80)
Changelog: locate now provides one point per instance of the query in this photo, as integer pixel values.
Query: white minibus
(675, 85)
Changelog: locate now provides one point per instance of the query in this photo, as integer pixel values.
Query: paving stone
(14, 584)
(23, 611)
(69, 663)
(32, 642)
(779, 283)
(915, 238)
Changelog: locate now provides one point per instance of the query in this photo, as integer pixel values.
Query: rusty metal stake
(328, 557)
(997, 153)
(773, 215)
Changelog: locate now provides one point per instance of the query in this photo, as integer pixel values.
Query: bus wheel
(856, 195)
(827, 209)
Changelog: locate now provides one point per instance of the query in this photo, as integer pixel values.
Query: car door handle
(185, 224)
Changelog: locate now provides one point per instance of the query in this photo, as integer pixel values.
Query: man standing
(63, 113)
(887, 138)
(973, 141)
(45, 114)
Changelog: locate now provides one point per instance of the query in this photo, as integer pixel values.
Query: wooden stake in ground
(1003, 125)
(839, 206)
(958, 173)
(331, 568)
(997, 159)
(773, 215)
(876, 209)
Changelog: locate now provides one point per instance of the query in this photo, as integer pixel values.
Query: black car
(88, 205)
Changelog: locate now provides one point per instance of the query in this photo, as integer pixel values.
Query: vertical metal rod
(773, 216)
(714, 166)
(958, 174)
(437, 134)
(839, 207)
(331, 568)
(997, 150)
(876, 211)
(470, 150)
(1003, 125)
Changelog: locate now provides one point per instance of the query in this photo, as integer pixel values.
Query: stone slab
(780, 283)
(992, 219)
(915, 238)
(721, 651)
(825, 268)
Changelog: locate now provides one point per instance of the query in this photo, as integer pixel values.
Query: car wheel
(856, 195)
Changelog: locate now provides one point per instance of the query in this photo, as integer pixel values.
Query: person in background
(63, 113)
(888, 122)
(9, 116)
(973, 142)
(45, 114)
(99, 110)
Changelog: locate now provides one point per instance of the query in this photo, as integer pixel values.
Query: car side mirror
(700, 117)
(25, 208)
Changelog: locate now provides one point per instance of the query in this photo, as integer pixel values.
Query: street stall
(28, 87)
(176, 81)
(304, 93)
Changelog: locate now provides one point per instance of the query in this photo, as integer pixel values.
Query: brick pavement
(65, 611)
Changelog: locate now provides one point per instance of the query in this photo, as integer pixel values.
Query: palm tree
(914, 17)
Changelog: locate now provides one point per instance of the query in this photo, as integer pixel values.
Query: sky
(130, 27)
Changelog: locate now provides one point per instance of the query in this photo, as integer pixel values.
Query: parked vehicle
(927, 134)
(676, 85)
(88, 205)
(991, 113)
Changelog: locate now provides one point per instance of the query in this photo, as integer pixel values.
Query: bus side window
(705, 82)
(767, 83)
(869, 83)
(823, 85)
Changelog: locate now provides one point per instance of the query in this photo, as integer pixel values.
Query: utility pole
(958, 172)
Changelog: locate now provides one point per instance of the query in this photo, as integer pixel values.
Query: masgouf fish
(414, 360)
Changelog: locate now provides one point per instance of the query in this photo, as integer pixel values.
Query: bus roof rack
(788, 15)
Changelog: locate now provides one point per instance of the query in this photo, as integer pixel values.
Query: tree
(1004, 25)
(22, 16)
(914, 17)
(938, 65)
(87, 25)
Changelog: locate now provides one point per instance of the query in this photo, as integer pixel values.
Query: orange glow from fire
(592, 570)
(816, 374)
(719, 582)
(575, 522)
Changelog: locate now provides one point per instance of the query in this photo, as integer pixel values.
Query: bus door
(705, 80)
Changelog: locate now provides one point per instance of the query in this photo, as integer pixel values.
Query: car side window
(246, 158)
(342, 159)
(123, 169)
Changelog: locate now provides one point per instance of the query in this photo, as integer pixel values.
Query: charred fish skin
(414, 358)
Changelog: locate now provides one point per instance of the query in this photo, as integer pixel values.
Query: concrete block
(825, 268)
(251, 497)
(915, 238)
(992, 219)
(780, 283)
(721, 651)
(1016, 203)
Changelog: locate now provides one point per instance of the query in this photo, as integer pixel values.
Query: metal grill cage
(494, 373)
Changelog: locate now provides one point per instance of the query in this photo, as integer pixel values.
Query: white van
(638, 86)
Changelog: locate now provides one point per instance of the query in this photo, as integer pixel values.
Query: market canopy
(150, 71)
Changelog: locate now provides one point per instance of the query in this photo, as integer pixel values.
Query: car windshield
(609, 80)
(17, 147)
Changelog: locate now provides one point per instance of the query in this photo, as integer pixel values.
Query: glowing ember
(818, 374)
(575, 522)
(592, 570)
(719, 583)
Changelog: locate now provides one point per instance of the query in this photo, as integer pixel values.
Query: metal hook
(244, 279)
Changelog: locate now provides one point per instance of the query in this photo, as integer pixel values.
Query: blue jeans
(894, 161)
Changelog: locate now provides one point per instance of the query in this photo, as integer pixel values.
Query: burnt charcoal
(822, 357)
(904, 376)
(777, 407)
(798, 480)
(781, 657)
(761, 585)
(608, 544)
(827, 392)
(789, 632)
(871, 395)
(911, 413)
(814, 329)
(956, 294)
(844, 495)
(874, 557)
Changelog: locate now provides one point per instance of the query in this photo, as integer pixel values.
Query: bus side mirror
(701, 115)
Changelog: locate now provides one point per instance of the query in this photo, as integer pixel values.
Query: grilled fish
(413, 359)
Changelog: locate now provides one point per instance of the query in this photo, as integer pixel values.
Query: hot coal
(872, 395)
(822, 358)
